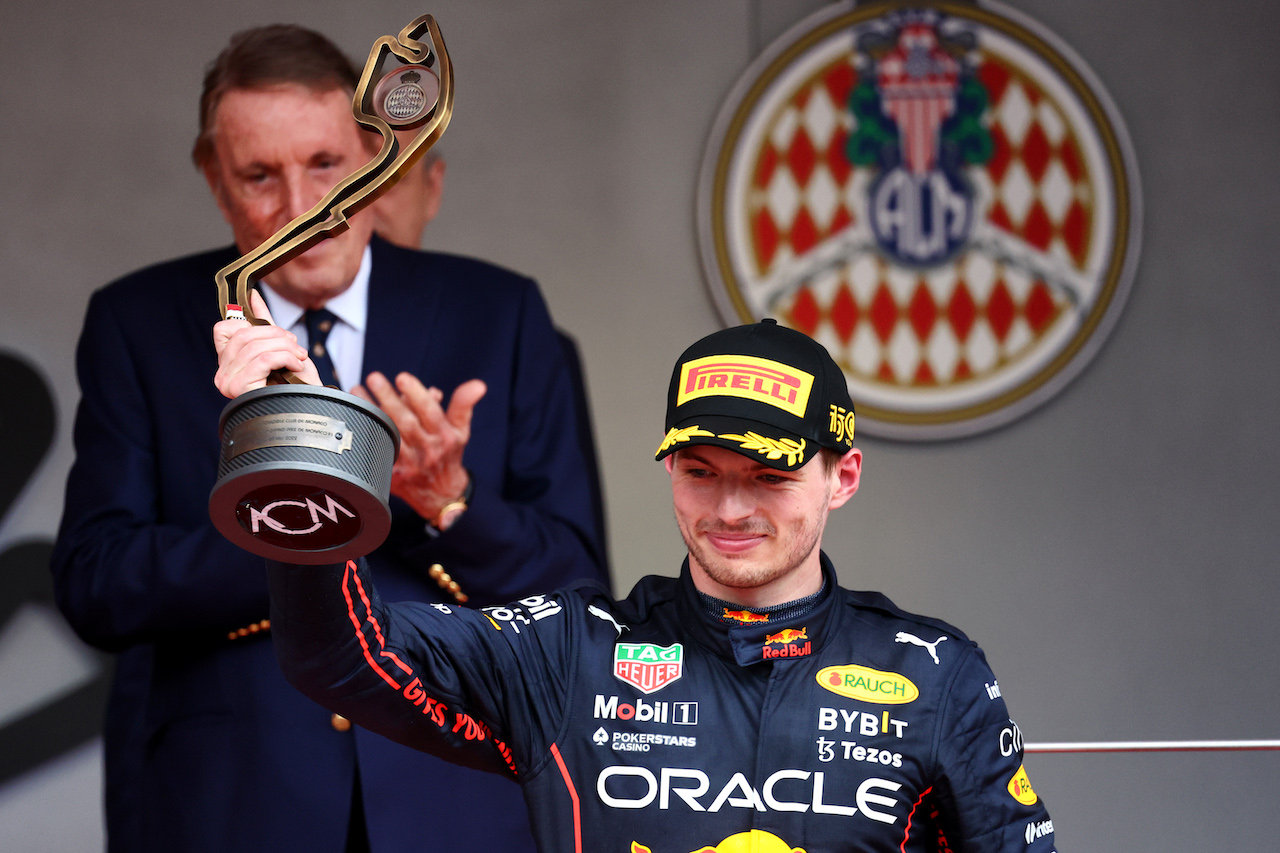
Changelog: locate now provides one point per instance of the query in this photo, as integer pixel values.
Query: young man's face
(753, 531)
(277, 152)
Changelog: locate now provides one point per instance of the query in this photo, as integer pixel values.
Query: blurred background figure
(402, 214)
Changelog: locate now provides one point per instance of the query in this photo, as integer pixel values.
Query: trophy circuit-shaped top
(305, 471)
(409, 96)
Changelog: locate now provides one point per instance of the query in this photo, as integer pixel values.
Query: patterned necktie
(319, 324)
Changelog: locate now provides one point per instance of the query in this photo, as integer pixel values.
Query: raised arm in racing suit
(647, 725)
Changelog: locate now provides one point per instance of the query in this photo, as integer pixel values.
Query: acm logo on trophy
(305, 471)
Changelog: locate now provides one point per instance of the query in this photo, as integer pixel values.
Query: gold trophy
(305, 471)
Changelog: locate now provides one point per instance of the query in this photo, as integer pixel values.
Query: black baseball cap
(762, 390)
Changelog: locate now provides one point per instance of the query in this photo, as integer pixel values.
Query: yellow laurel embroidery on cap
(675, 436)
(770, 448)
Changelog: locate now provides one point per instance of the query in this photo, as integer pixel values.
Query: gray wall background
(1114, 552)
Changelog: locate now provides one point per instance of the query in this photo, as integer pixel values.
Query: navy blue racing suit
(647, 725)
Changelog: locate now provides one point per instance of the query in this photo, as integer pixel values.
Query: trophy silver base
(304, 475)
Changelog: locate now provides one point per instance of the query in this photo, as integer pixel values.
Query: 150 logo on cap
(746, 376)
(841, 425)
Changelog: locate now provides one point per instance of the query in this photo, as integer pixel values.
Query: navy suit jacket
(208, 748)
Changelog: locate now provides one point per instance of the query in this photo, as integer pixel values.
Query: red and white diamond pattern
(802, 192)
(908, 327)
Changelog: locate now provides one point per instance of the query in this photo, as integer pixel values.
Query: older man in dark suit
(207, 747)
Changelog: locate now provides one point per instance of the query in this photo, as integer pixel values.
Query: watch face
(449, 514)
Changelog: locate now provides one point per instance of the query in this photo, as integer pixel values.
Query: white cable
(1157, 746)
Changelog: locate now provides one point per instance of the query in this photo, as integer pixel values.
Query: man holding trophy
(208, 748)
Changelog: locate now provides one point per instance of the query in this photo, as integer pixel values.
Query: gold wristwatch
(453, 510)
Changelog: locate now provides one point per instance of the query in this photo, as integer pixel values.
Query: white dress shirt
(346, 339)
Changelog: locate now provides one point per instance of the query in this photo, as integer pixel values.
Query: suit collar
(752, 642)
(351, 306)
